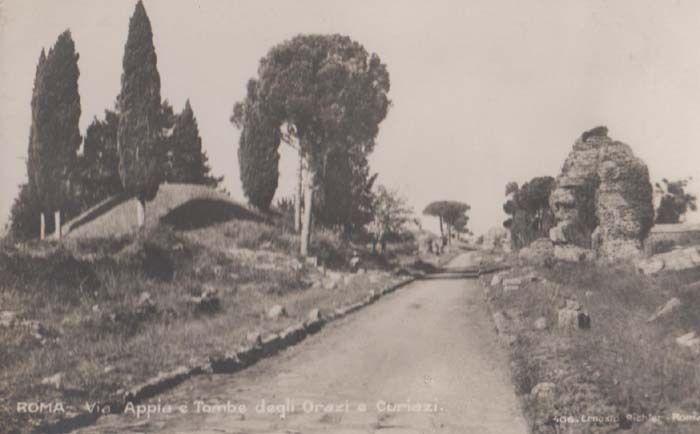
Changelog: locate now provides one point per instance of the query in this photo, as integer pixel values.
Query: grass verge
(624, 373)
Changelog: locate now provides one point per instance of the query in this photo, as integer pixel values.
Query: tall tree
(258, 157)
(187, 162)
(330, 93)
(345, 190)
(54, 134)
(140, 132)
(675, 201)
(529, 211)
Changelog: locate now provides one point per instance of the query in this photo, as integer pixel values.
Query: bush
(57, 277)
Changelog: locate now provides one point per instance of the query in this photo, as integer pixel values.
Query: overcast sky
(484, 92)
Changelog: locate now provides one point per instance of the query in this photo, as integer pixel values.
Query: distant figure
(437, 246)
(354, 261)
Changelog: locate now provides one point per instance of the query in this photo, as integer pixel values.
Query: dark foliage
(258, 157)
(54, 136)
(675, 201)
(140, 116)
(186, 162)
(528, 208)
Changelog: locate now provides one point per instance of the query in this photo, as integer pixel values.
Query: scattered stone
(512, 284)
(347, 279)
(55, 380)
(312, 261)
(540, 323)
(695, 286)
(374, 278)
(36, 329)
(539, 251)
(330, 284)
(208, 300)
(690, 341)
(544, 392)
(496, 279)
(7, 318)
(254, 338)
(276, 312)
(361, 271)
(314, 315)
(675, 260)
(571, 318)
(144, 301)
(571, 253)
(650, 266)
(573, 305)
(666, 309)
(108, 369)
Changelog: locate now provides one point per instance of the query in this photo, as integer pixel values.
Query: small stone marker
(666, 309)
(276, 312)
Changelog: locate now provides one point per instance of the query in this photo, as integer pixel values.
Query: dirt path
(430, 344)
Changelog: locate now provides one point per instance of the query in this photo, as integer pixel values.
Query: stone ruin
(602, 201)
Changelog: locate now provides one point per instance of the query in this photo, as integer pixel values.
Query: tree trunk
(140, 212)
(57, 225)
(297, 193)
(442, 234)
(42, 227)
(308, 201)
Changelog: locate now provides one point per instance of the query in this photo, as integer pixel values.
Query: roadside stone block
(690, 341)
(572, 318)
(665, 310)
(277, 311)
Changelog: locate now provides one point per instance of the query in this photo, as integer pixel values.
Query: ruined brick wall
(602, 202)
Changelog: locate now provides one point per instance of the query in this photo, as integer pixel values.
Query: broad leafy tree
(140, 133)
(54, 136)
(530, 216)
(675, 201)
(329, 92)
(390, 213)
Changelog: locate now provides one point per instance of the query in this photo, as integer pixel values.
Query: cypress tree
(98, 177)
(187, 163)
(258, 158)
(140, 117)
(54, 136)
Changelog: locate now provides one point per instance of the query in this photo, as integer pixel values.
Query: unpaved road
(431, 344)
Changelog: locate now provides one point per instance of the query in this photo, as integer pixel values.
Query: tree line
(135, 147)
(324, 96)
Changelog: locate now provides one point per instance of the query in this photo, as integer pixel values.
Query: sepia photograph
(349, 216)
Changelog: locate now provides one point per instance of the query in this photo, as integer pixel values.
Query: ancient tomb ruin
(602, 201)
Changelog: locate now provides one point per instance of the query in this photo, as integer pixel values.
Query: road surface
(424, 359)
